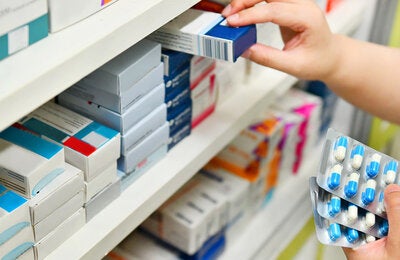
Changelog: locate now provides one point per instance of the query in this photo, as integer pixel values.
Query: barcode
(215, 49)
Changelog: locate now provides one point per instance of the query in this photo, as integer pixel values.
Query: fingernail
(232, 18)
(246, 54)
(227, 10)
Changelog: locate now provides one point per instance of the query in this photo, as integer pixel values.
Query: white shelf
(36, 74)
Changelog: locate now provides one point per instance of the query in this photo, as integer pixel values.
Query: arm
(365, 74)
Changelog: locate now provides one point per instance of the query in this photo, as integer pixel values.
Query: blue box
(173, 60)
(179, 135)
(179, 117)
(180, 79)
(177, 98)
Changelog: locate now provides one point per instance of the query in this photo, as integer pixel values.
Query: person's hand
(387, 247)
(309, 50)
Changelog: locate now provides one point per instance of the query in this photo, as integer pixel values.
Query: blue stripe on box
(12, 231)
(31, 142)
(97, 128)
(45, 129)
(3, 46)
(10, 201)
(18, 251)
(38, 29)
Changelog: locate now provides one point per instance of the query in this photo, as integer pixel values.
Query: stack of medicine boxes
(127, 94)
(53, 189)
(177, 94)
(89, 146)
(22, 23)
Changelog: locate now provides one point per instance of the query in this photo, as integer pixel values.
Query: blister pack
(355, 172)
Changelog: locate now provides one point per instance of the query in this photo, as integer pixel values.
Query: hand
(309, 50)
(387, 247)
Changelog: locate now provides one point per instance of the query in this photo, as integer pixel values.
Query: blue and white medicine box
(180, 116)
(206, 34)
(22, 23)
(42, 161)
(122, 72)
(177, 98)
(88, 145)
(121, 123)
(179, 135)
(174, 61)
(15, 225)
(180, 79)
(119, 103)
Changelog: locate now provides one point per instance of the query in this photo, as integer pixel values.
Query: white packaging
(56, 193)
(27, 255)
(66, 13)
(44, 247)
(199, 68)
(88, 145)
(18, 244)
(51, 222)
(42, 161)
(106, 177)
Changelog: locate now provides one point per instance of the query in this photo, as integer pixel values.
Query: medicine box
(174, 61)
(179, 117)
(66, 13)
(102, 199)
(120, 102)
(179, 80)
(47, 245)
(58, 216)
(105, 178)
(122, 72)
(127, 163)
(120, 122)
(179, 135)
(143, 128)
(89, 146)
(177, 97)
(56, 193)
(128, 178)
(22, 23)
(43, 161)
(206, 34)
(17, 245)
(200, 67)
(27, 253)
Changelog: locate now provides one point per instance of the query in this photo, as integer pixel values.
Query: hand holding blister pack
(347, 195)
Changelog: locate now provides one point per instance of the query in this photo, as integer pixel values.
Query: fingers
(238, 5)
(392, 201)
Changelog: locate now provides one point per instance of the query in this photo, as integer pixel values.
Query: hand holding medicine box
(206, 34)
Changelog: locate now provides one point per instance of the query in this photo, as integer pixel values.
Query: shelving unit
(28, 80)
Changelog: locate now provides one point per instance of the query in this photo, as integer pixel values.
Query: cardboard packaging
(177, 98)
(64, 14)
(179, 117)
(22, 23)
(18, 244)
(88, 145)
(56, 193)
(105, 178)
(120, 122)
(205, 34)
(43, 161)
(119, 102)
(122, 72)
(179, 135)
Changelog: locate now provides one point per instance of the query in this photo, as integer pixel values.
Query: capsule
(352, 235)
(390, 172)
(352, 213)
(334, 206)
(381, 207)
(333, 181)
(384, 228)
(369, 219)
(334, 231)
(372, 168)
(357, 156)
(351, 188)
(340, 148)
(370, 238)
(368, 196)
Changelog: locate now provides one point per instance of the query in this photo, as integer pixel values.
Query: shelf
(36, 74)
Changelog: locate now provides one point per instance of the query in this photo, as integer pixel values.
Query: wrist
(336, 60)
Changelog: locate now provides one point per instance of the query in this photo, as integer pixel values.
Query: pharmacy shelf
(36, 74)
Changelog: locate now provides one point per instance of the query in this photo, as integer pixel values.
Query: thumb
(392, 203)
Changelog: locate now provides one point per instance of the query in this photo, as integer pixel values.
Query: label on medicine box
(122, 72)
(105, 178)
(50, 242)
(127, 163)
(21, 242)
(177, 98)
(88, 145)
(119, 103)
(64, 14)
(179, 80)
(43, 161)
(56, 193)
(120, 122)
(143, 128)
(179, 135)
(179, 116)
(174, 61)
(206, 34)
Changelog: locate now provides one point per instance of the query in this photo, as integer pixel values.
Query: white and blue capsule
(351, 187)
(372, 168)
(340, 148)
(369, 219)
(334, 206)
(334, 231)
(381, 207)
(384, 228)
(333, 180)
(352, 213)
(368, 195)
(390, 172)
(357, 156)
(352, 235)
